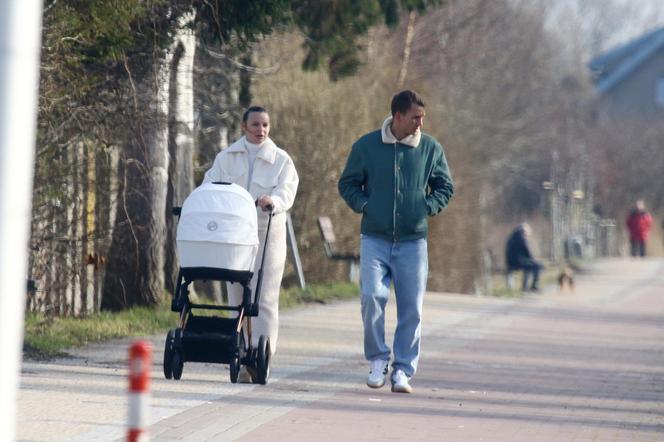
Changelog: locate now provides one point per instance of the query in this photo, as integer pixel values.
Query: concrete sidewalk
(549, 367)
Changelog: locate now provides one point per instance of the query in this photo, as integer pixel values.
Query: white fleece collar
(389, 138)
(268, 150)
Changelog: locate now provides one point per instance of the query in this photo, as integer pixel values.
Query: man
(639, 222)
(519, 257)
(396, 177)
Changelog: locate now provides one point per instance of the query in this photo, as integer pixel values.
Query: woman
(267, 172)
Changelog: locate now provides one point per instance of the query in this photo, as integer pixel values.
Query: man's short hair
(402, 102)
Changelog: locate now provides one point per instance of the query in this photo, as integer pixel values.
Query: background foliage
(122, 137)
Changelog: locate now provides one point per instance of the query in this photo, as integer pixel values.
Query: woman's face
(257, 127)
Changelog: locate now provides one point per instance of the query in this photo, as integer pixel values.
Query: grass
(319, 294)
(46, 337)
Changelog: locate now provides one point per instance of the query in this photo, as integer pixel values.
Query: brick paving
(587, 366)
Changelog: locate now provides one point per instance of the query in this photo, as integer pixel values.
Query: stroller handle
(259, 281)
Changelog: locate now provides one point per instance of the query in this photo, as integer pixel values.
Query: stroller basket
(209, 332)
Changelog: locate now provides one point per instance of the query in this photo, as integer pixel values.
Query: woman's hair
(251, 109)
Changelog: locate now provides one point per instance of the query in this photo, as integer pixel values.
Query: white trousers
(267, 321)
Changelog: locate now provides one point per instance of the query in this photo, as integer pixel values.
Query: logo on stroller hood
(212, 226)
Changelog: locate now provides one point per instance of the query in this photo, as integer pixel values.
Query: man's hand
(265, 203)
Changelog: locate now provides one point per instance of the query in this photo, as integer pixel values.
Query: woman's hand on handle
(265, 203)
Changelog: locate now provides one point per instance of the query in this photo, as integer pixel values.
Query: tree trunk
(76, 227)
(106, 206)
(216, 96)
(180, 142)
(135, 273)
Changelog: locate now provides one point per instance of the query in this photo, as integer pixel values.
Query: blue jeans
(406, 265)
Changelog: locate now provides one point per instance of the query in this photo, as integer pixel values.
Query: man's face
(410, 122)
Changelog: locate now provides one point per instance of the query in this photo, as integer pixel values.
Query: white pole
(20, 42)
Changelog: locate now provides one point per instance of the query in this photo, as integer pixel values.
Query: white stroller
(217, 239)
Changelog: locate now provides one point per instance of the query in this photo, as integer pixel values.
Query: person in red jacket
(638, 223)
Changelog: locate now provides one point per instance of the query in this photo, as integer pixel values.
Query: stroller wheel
(236, 362)
(235, 369)
(263, 359)
(168, 355)
(177, 364)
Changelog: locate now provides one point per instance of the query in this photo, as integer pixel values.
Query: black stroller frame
(214, 338)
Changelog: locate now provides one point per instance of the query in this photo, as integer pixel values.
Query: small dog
(566, 280)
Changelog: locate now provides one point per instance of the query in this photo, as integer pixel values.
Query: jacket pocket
(373, 219)
(264, 184)
(413, 213)
(239, 179)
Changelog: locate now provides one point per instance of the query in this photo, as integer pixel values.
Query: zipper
(394, 205)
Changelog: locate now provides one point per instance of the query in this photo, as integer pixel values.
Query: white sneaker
(400, 382)
(377, 374)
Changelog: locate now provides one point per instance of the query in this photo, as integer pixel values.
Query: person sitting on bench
(519, 257)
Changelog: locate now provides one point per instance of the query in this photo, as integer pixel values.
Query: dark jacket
(396, 186)
(517, 252)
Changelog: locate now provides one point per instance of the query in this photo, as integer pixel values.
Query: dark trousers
(638, 248)
(531, 270)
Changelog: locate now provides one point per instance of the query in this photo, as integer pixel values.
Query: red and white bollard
(140, 362)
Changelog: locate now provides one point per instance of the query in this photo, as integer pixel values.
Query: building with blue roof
(629, 79)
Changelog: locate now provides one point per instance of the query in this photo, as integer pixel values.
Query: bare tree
(135, 274)
(180, 139)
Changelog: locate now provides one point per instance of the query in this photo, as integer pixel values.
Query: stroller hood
(219, 213)
(218, 228)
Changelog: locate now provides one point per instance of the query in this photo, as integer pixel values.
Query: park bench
(329, 243)
(511, 279)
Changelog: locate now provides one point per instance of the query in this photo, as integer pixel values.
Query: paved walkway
(587, 366)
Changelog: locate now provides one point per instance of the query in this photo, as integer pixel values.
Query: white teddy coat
(274, 175)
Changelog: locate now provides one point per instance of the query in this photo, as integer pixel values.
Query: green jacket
(396, 186)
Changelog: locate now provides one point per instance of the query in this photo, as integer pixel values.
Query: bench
(510, 279)
(329, 241)
(526, 279)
